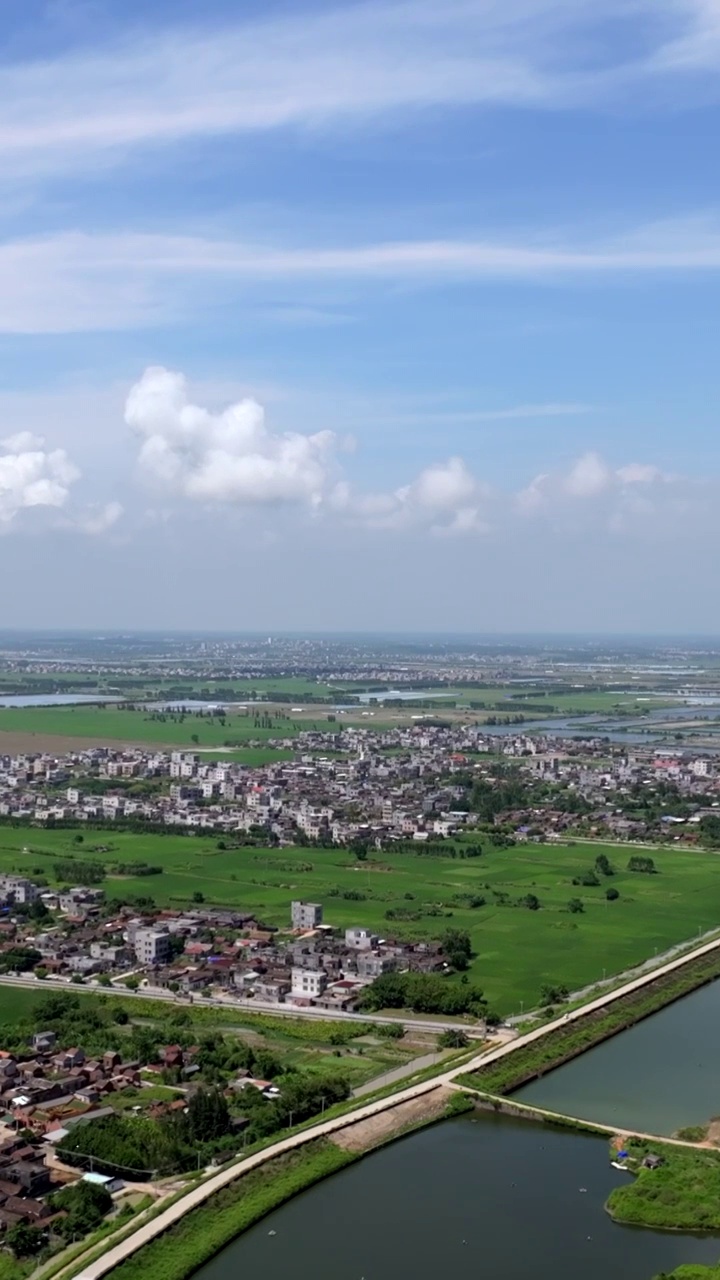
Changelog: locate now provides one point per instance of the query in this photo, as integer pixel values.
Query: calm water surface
(51, 699)
(473, 1197)
(660, 1075)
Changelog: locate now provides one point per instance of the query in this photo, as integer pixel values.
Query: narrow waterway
(658, 1076)
(476, 1196)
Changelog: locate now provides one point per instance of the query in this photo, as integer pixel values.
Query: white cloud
(443, 498)
(227, 457)
(591, 484)
(344, 64)
(72, 282)
(32, 477)
(639, 473)
(98, 519)
(587, 476)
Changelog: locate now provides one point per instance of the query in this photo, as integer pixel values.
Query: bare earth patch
(369, 1133)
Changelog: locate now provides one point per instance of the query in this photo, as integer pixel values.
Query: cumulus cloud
(592, 487)
(30, 476)
(588, 476)
(227, 457)
(443, 498)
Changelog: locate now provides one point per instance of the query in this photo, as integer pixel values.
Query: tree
(19, 959)
(457, 947)
(24, 1240)
(530, 901)
(208, 1115)
(453, 1038)
(589, 879)
(390, 1030)
(552, 993)
(639, 862)
(85, 1206)
(194, 737)
(198, 896)
(575, 906)
(132, 983)
(612, 895)
(603, 865)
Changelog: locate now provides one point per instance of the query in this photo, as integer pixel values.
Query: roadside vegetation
(204, 1231)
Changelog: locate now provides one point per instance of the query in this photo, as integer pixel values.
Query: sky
(390, 315)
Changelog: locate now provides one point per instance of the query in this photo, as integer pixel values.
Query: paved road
(246, 1006)
(148, 1231)
(398, 1073)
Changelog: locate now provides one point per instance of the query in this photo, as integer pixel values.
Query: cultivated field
(517, 949)
(68, 728)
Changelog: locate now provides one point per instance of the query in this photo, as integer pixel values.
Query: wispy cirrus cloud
(345, 65)
(73, 281)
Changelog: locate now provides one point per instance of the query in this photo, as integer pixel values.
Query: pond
(658, 1076)
(476, 1196)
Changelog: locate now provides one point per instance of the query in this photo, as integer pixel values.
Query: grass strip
(178, 1252)
(569, 1040)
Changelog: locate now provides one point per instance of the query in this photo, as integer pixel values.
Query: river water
(52, 699)
(658, 1076)
(481, 1196)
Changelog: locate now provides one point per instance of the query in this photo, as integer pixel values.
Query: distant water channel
(658, 1076)
(484, 1196)
(51, 699)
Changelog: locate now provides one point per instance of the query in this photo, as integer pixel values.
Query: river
(658, 1076)
(52, 699)
(474, 1196)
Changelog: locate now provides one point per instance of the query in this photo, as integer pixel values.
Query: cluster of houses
(44, 1092)
(50, 1089)
(338, 786)
(223, 952)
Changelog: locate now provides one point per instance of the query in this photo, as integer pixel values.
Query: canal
(477, 1196)
(658, 1076)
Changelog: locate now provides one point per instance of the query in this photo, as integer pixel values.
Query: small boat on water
(617, 1165)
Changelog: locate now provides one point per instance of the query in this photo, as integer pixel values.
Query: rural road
(243, 1006)
(148, 1231)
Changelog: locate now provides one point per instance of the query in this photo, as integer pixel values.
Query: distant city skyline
(377, 316)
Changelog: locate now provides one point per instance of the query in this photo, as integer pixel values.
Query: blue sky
(369, 309)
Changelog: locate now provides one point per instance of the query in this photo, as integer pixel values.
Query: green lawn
(516, 949)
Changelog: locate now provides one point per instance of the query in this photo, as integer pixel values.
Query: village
(346, 785)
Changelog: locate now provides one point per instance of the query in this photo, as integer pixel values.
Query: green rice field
(516, 949)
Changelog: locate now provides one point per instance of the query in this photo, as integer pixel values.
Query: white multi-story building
(152, 946)
(308, 984)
